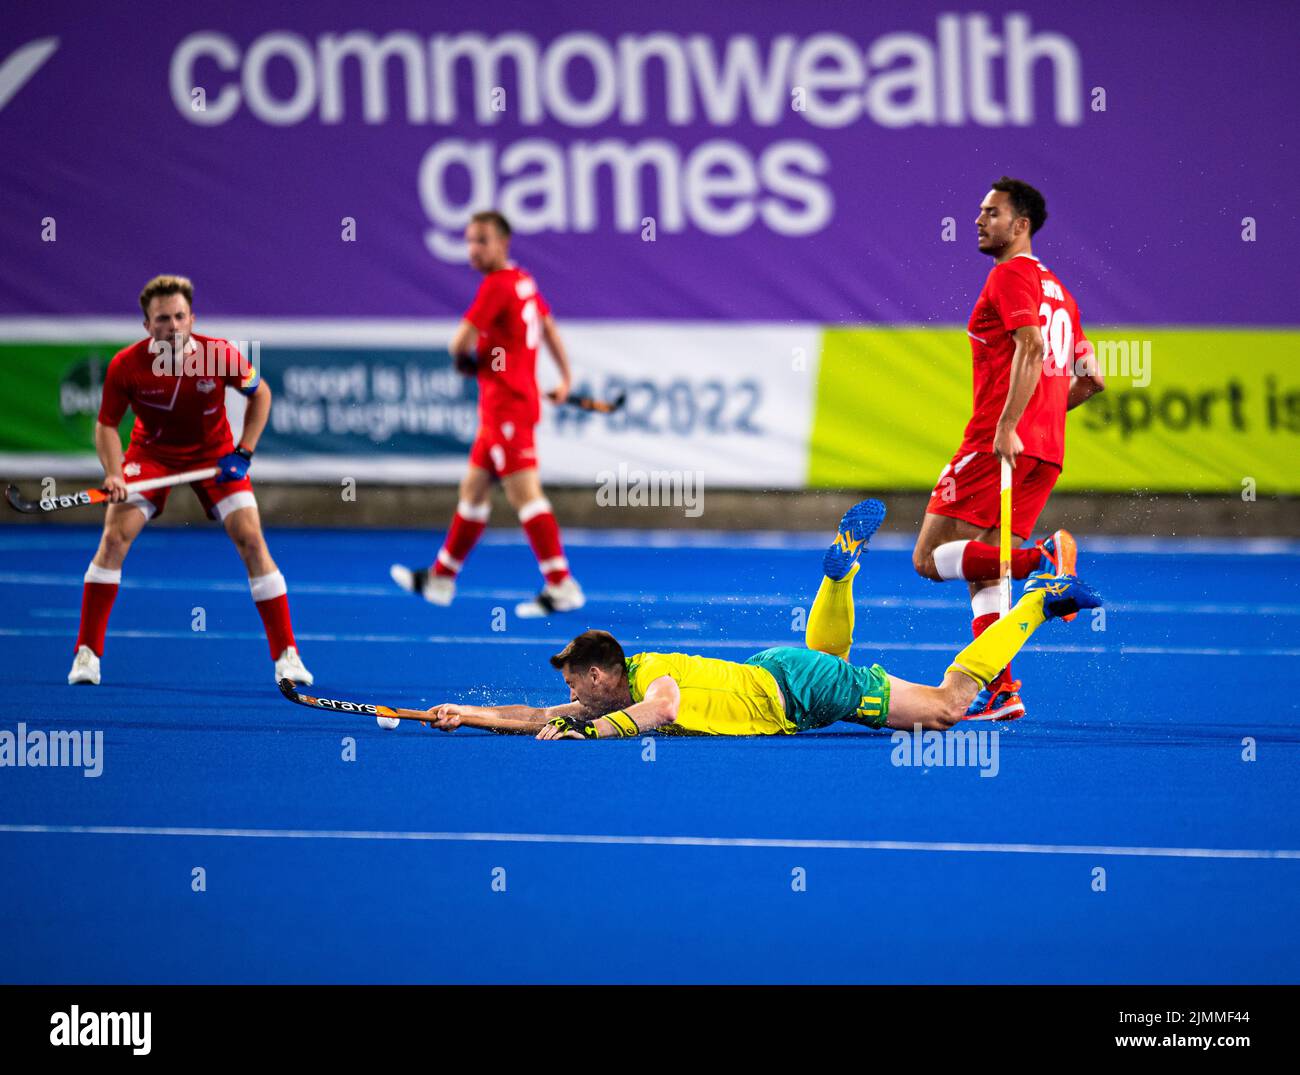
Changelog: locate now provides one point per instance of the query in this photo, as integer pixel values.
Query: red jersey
(508, 312)
(180, 409)
(1020, 292)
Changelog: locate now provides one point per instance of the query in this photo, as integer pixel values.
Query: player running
(1031, 363)
(779, 691)
(497, 340)
(175, 381)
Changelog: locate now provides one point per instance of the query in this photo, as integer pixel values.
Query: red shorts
(217, 500)
(504, 447)
(970, 489)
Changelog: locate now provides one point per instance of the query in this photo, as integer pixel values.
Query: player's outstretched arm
(658, 707)
(515, 719)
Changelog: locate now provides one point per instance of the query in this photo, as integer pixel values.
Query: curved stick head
(16, 499)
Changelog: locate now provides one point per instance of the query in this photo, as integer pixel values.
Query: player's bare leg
(269, 593)
(933, 708)
(437, 583)
(122, 525)
(561, 593)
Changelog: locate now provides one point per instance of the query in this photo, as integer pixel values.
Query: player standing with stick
(175, 381)
(1032, 363)
(497, 341)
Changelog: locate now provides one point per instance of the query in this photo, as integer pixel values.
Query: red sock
(980, 562)
(467, 526)
(97, 598)
(272, 599)
(544, 536)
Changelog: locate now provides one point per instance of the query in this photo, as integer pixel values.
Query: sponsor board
(383, 403)
(1185, 410)
(741, 405)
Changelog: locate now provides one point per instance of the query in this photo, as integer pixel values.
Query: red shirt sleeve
(114, 401)
(543, 307)
(487, 305)
(1015, 296)
(241, 374)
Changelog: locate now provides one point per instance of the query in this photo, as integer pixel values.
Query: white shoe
(436, 589)
(290, 667)
(85, 667)
(564, 596)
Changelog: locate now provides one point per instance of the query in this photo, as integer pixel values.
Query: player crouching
(175, 382)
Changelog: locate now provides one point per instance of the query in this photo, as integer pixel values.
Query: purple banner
(812, 162)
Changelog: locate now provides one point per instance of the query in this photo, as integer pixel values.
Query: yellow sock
(830, 623)
(992, 651)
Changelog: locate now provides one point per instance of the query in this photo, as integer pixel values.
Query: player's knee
(250, 546)
(950, 713)
(956, 698)
(923, 563)
(115, 544)
(247, 538)
(946, 708)
(473, 493)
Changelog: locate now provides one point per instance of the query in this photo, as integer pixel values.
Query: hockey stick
(600, 406)
(1004, 543)
(99, 496)
(494, 724)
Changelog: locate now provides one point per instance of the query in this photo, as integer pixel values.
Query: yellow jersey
(717, 697)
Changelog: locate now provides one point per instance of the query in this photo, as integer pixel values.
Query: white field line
(630, 597)
(787, 541)
(1098, 850)
(673, 644)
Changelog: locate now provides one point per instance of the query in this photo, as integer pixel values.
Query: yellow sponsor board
(1185, 410)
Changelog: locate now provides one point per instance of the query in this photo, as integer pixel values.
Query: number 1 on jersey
(532, 325)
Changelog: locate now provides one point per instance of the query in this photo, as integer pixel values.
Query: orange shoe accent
(1010, 706)
(1066, 560)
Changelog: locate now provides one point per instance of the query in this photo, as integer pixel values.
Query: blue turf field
(380, 869)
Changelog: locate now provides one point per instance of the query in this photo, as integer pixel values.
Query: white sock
(474, 513)
(947, 559)
(266, 587)
(534, 508)
(984, 602)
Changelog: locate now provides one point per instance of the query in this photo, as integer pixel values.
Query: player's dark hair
(591, 649)
(497, 220)
(164, 286)
(1025, 200)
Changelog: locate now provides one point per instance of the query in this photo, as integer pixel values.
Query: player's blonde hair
(166, 285)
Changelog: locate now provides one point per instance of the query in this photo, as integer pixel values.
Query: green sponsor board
(1185, 410)
(51, 393)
